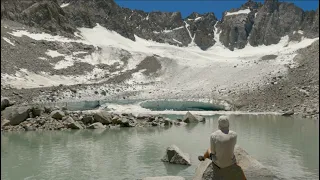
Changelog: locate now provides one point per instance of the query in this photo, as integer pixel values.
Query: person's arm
(212, 145)
(235, 139)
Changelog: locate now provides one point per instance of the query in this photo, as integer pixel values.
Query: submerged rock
(164, 178)
(250, 166)
(175, 156)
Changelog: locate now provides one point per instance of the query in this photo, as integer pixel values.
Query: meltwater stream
(288, 146)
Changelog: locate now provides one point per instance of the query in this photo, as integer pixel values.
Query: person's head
(223, 124)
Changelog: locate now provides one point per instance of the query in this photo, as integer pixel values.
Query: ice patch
(79, 52)
(136, 109)
(64, 5)
(192, 38)
(64, 63)
(244, 11)
(137, 77)
(8, 41)
(197, 19)
(177, 41)
(53, 53)
(167, 31)
(42, 58)
(44, 36)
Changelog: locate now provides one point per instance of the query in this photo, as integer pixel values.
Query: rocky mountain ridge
(253, 23)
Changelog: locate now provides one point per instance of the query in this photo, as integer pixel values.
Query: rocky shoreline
(37, 118)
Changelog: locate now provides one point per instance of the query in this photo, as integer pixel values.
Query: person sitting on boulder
(221, 151)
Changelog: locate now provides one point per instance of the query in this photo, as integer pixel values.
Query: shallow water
(288, 146)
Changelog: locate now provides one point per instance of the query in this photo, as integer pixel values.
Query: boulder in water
(97, 125)
(175, 156)
(167, 122)
(288, 113)
(190, 118)
(200, 118)
(16, 115)
(164, 178)
(250, 166)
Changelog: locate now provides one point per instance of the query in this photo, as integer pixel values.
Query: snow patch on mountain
(242, 11)
(8, 41)
(64, 5)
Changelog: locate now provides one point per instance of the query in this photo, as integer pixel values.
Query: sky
(186, 7)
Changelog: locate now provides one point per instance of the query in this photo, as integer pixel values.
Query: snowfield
(244, 11)
(186, 71)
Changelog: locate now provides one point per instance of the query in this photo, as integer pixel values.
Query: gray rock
(124, 122)
(200, 118)
(4, 103)
(47, 109)
(250, 166)
(5, 122)
(180, 123)
(16, 115)
(167, 122)
(288, 113)
(103, 116)
(164, 178)
(175, 156)
(37, 111)
(87, 119)
(96, 125)
(189, 118)
(57, 114)
(72, 124)
(29, 128)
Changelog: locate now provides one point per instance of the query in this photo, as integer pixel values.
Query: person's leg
(206, 155)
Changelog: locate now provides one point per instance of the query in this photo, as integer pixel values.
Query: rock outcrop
(260, 24)
(175, 156)
(250, 166)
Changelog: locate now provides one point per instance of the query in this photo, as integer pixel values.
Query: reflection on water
(290, 147)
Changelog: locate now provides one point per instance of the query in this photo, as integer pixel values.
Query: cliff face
(253, 22)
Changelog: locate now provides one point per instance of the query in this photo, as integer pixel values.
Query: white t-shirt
(222, 148)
